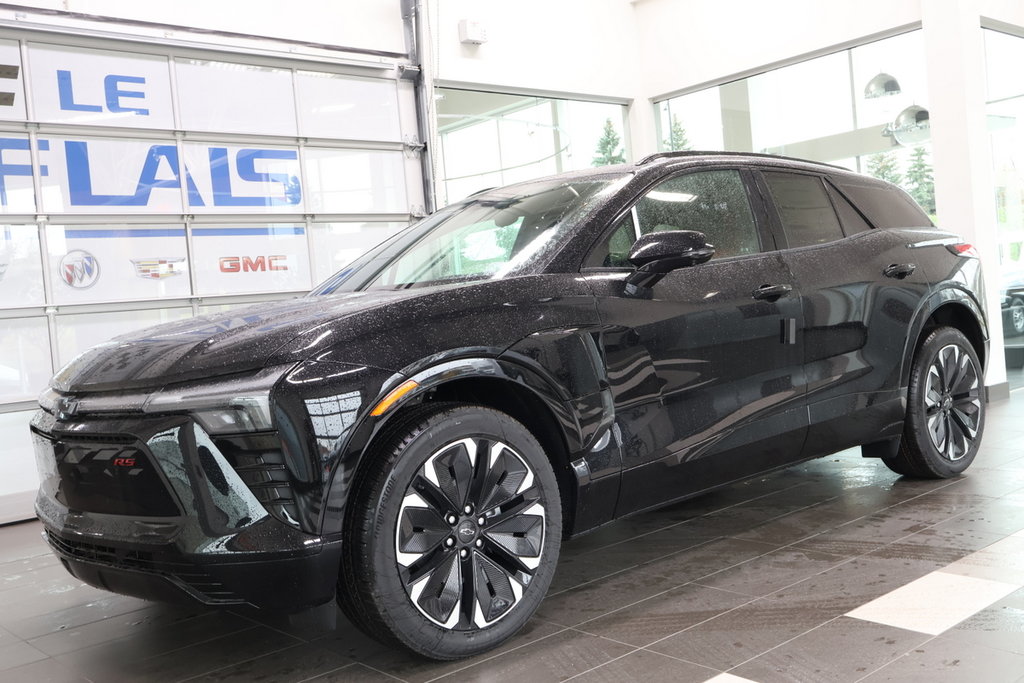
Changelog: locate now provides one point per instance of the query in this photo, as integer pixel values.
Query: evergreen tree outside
(608, 151)
(885, 167)
(677, 139)
(920, 182)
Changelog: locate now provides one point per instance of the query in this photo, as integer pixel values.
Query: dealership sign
(155, 169)
(128, 176)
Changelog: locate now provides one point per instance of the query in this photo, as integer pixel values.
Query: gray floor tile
(18, 653)
(22, 541)
(114, 663)
(597, 598)
(354, 673)
(663, 615)
(561, 656)
(772, 571)
(410, 667)
(46, 671)
(744, 633)
(294, 664)
(152, 630)
(647, 666)
(704, 560)
(946, 660)
(841, 650)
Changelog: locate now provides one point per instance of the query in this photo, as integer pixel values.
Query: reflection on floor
(831, 570)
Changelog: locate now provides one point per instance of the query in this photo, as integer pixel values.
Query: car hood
(235, 341)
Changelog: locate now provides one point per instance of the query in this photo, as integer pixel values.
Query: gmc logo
(245, 264)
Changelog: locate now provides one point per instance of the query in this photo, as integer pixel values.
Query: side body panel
(856, 324)
(707, 387)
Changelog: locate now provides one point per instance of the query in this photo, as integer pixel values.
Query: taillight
(963, 249)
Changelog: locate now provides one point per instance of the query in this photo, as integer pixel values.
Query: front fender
(352, 447)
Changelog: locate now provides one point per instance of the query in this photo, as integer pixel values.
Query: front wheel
(945, 408)
(454, 534)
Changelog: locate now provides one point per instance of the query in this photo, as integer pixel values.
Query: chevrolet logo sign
(67, 408)
(159, 268)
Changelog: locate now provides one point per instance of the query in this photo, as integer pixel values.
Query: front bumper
(148, 506)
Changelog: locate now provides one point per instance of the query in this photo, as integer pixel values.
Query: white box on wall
(472, 32)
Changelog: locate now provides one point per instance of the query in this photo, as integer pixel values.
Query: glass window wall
(491, 139)
(865, 108)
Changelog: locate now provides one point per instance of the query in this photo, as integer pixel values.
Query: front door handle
(771, 292)
(899, 270)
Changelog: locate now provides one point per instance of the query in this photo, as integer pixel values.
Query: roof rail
(694, 153)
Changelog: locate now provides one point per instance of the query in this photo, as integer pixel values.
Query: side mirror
(659, 253)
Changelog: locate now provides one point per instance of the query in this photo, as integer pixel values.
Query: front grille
(110, 476)
(193, 577)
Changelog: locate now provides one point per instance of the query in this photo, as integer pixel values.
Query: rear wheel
(454, 534)
(945, 408)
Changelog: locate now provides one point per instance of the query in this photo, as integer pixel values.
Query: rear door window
(804, 207)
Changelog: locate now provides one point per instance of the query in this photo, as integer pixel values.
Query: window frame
(758, 209)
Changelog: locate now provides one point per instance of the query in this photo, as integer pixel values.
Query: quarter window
(804, 208)
(849, 216)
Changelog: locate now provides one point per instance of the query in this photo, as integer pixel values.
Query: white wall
(581, 47)
(369, 24)
(696, 41)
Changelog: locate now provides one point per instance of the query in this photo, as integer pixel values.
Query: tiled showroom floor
(832, 570)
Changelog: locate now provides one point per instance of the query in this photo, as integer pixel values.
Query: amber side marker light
(393, 397)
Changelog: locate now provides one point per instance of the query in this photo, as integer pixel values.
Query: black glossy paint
(641, 390)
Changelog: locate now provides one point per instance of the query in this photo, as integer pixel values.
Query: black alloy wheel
(470, 533)
(946, 408)
(453, 538)
(952, 401)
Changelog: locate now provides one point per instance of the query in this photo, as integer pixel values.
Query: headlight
(48, 400)
(228, 406)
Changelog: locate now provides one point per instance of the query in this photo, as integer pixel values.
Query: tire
(446, 552)
(945, 408)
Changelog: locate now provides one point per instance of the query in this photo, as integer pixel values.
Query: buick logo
(79, 269)
(158, 268)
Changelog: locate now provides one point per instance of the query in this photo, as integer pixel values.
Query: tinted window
(804, 208)
(614, 251)
(712, 202)
(494, 234)
(886, 206)
(849, 216)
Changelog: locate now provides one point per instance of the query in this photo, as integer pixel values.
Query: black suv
(419, 433)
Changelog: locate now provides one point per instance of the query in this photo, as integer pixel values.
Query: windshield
(488, 236)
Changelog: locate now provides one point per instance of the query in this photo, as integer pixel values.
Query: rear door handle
(771, 292)
(899, 270)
